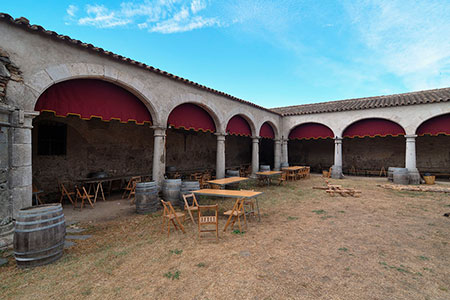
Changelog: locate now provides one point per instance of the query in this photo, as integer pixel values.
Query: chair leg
(190, 214)
(239, 223)
(228, 222)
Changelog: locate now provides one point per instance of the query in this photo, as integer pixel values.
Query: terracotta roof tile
(25, 24)
(420, 97)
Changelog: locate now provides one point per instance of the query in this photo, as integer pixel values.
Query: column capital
(220, 136)
(255, 138)
(410, 136)
(159, 130)
(277, 141)
(283, 140)
(337, 139)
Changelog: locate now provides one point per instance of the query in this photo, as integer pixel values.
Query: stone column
(410, 159)
(220, 155)
(336, 169)
(159, 155)
(255, 155)
(284, 151)
(277, 155)
(20, 172)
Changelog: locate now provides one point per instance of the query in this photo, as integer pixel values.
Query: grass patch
(319, 211)
(343, 249)
(176, 251)
(423, 258)
(237, 231)
(172, 276)
(401, 268)
(292, 218)
(341, 211)
(201, 265)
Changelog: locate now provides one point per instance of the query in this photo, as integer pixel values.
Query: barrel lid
(38, 208)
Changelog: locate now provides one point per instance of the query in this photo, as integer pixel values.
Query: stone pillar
(277, 155)
(159, 155)
(255, 155)
(336, 169)
(20, 172)
(410, 159)
(220, 155)
(284, 151)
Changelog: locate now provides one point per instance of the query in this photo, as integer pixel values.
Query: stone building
(68, 108)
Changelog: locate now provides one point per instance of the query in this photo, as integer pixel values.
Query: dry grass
(384, 245)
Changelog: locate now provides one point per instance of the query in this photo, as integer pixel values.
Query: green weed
(319, 211)
(176, 251)
(173, 276)
(237, 231)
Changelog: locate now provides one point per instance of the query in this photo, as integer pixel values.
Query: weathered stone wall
(94, 145)
(238, 151)
(318, 154)
(373, 153)
(433, 153)
(5, 203)
(190, 150)
(266, 152)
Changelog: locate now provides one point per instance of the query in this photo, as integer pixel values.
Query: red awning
(435, 126)
(239, 126)
(93, 98)
(190, 116)
(372, 128)
(266, 131)
(310, 131)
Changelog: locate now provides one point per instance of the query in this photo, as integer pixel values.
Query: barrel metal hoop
(37, 258)
(35, 215)
(39, 221)
(40, 228)
(34, 252)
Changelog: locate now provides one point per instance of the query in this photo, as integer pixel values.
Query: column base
(336, 172)
(414, 176)
(6, 235)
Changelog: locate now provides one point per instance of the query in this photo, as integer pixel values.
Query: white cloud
(163, 16)
(408, 39)
(71, 10)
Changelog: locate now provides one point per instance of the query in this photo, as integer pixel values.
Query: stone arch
(416, 131)
(308, 123)
(247, 116)
(42, 80)
(394, 123)
(274, 128)
(210, 109)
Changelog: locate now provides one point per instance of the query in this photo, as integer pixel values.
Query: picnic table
(267, 175)
(231, 194)
(224, 181)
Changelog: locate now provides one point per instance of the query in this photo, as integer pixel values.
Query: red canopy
(190, 116)
(310, 131)
(89, 98)
(372, 128)
(239, 126)
(435, 126)
(266, 131)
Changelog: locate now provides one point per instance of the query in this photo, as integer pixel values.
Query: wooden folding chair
(283, 178)
(190, 208)
(66, 193)
(36, 193)
(235, 214)
(131, 186)
(291, 175)
(171, 216)
(133, 192)
(206, 220)
(83, 195)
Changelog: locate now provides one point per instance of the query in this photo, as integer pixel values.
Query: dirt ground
(385, 245)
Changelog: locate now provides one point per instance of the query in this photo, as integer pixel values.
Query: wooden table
(268, 174)
(292, 171)
(224, 181)
(231, 194)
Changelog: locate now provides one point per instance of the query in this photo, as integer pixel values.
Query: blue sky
(273, 53)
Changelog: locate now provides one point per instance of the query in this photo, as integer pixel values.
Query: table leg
(96, 192)
(103, 194)
(257, 207)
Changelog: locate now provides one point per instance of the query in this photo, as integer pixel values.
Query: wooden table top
(225, 181)
(227, 193)
(293, 168)
(268, 173)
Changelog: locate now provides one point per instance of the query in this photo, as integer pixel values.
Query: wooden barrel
(39, 235)
(147, 197)
(264, 168)
(171, 190)
(400, 176)
(391, 173)
(232, 173)
(186, 188)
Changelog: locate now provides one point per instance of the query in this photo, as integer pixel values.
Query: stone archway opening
(267, 145)
(238, 144)
(371, 146)
(87, 127)
(311, 144)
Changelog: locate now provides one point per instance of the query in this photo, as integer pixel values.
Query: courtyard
(386, 244)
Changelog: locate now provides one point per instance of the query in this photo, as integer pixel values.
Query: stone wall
(433, 153)
(318, 154)
(373, 153)
(190, 150)
(238, 151)
(94, 145)
(5, 203)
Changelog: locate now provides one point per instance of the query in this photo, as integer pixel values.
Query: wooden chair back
(192, 207)
(208, 219)
(83, 195)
